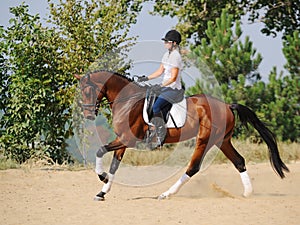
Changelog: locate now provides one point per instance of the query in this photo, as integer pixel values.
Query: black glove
(142, 79)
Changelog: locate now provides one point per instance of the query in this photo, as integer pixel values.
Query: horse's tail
(248, 116)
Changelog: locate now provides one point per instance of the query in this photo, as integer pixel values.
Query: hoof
(162, 197)
(247, 194)
(248, 191)
(103, 177)
(99, 197)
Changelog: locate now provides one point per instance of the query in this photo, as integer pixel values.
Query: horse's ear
(77, 76)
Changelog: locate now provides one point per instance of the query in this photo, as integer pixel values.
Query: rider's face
(168, 44)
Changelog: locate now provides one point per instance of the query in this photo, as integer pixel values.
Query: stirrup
(159, 143)
(160, 138)
(150, 133)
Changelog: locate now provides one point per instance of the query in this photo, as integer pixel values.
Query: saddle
(174, 114)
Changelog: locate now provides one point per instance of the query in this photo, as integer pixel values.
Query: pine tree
(282, 105)
(225, 55)
(291, 51)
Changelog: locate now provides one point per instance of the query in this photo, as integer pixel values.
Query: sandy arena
(36, 196)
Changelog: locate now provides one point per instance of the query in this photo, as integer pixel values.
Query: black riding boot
(160, 129)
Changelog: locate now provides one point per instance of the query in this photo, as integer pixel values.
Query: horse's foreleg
(113, 146)
(109, 177)
(99, 165)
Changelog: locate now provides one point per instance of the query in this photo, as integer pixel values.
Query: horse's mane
(127, 77)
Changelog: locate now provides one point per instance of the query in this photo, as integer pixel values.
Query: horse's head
(113, 86)
(89, 94)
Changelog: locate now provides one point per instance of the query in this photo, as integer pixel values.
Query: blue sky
(152, 28)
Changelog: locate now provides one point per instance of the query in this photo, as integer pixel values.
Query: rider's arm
(174, 74)
(157, 73)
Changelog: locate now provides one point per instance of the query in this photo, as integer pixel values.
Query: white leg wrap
(99, 166)
(246, 183)
(176, 187)
(106, 187)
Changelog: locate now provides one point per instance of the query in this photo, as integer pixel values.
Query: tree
(281, 107)
(32, 116)
(224, 54)
(4, 80)
(39, 63)
(232, 63)
(277, 15)
(291, 51)
(194, 15)
(94, 31)
(218, 51)
(94, 35)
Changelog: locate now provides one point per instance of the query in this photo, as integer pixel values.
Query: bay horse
(210, 120)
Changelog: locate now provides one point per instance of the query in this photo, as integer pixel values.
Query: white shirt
(169, 61)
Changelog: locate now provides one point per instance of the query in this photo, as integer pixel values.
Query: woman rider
(170, 67)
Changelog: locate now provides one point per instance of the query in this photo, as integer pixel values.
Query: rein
(123, 99)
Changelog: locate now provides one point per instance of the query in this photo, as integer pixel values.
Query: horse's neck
(122, 89)
(117, 86)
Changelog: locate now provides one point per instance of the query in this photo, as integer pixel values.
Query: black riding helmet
(173, 35)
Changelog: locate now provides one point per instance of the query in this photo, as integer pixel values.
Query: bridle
(93, 107)
(94, 88)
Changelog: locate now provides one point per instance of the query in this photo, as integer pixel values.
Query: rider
(171, 67)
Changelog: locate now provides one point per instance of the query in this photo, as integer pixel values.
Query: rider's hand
(142, 79)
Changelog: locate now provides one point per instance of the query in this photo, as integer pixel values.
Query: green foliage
(194, 15)
(291, 51)
(234, 65)
(94, 32)
(34, 117)
(281, 107)
(37, 66)
(224, 54)
(8, 164)
(277, 15)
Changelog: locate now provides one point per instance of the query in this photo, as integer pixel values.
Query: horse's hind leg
(203, 144)
(193, 168)
(239, 163)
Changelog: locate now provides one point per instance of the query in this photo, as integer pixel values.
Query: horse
(209, 119)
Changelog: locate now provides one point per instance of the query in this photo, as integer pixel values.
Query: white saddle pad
(178, 112)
